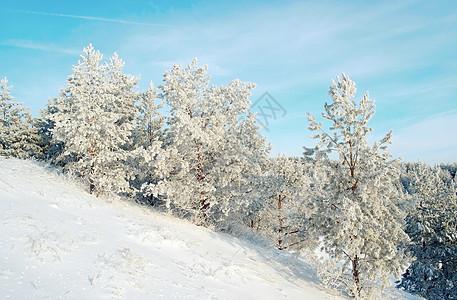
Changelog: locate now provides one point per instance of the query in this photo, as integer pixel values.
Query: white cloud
(49, 47)
(86, 17)
(430, 89)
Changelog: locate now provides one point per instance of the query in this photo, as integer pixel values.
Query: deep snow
(57, 241)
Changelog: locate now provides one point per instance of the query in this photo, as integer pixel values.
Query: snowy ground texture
(58, 242)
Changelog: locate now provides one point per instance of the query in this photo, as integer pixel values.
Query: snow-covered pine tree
(18, 137)
(451, 168)
(149, 121)
(50, 148)
(148, 138)
(357, 217)
(281, 218)
(94, 120)
(213, 144)
(432, 227)
(122, 97)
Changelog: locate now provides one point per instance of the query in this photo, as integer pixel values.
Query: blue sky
(403, 52)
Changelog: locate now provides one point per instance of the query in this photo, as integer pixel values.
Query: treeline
(205, 160)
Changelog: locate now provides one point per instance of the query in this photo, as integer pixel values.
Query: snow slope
(58, 242)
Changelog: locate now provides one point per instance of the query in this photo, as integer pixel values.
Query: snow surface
(59, 242)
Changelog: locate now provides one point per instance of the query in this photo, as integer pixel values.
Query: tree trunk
(91, 172)
(202, 212)
(281, 222)
(355, 275)
(91, 186)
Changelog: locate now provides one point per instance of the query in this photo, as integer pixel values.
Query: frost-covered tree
(149, 121)
(281, 218)
(358, 217)
(147, 142)
(122, 97)
(451, 168)
(213, 144)
(50, 147)
(18, 136)
(432, 227)
(94, 120)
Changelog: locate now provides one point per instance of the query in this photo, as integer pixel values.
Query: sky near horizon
(403, 52)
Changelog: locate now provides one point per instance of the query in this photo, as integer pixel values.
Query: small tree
(50, 147)
(281, 218)
(357, 217)
(18, 137)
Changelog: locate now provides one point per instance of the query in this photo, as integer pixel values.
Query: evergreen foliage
(18, 137)
(432, 227)
(94, 121)
(357, 217)
(50, 147)
(281, 219)
(213, 144)
(147, 144)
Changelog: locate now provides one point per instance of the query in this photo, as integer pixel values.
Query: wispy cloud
(86, 18)
(434, 136)
(434, 87)
(27, 44)
(298, 38)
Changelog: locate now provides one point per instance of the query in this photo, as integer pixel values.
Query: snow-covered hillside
(57, 241)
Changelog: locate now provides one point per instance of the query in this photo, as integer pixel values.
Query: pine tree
(281, 219)
(94, 120)
(451, 168)
(149, 121)
(18, 136)
(213, 144)
(147, 148)
(358, 216)
(50, 147)
(432, 227)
